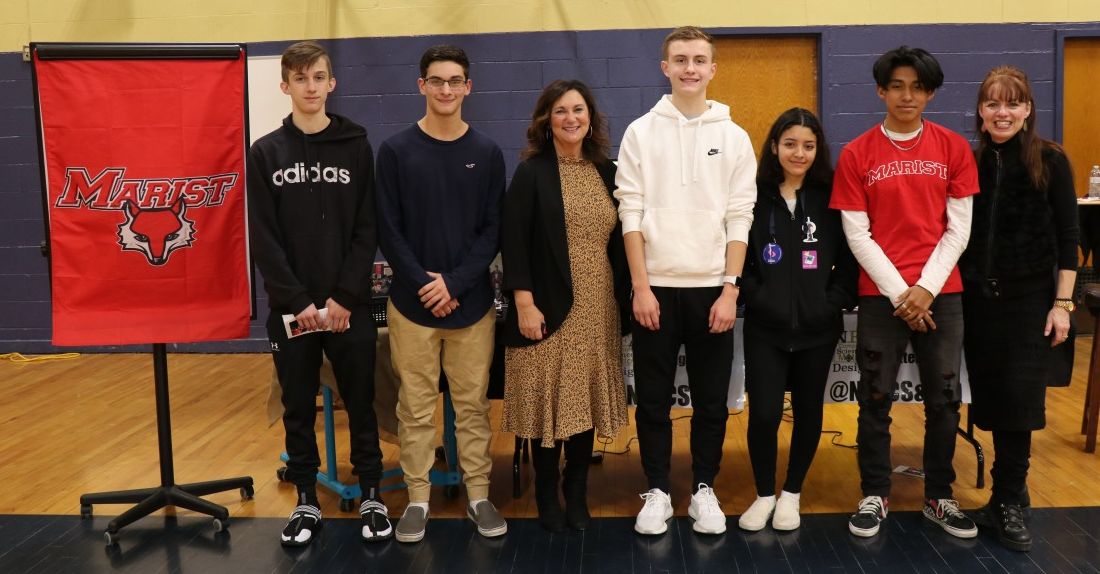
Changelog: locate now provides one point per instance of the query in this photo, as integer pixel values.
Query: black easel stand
(968, 436)
(169, 493)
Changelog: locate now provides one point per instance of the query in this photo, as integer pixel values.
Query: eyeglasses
(437, 83)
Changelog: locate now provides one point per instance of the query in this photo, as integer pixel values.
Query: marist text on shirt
(905, 167)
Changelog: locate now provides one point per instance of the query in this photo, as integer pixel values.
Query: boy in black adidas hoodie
(312, 223)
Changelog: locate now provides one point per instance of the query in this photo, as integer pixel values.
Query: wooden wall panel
(760, 78)
(1080, 114)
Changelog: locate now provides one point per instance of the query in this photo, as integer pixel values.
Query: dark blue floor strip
(1067, 540)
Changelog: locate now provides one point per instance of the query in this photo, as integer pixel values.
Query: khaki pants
(466, 355)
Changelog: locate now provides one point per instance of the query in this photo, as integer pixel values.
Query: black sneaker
(945, 512)
(872, 511)
(376, 521)
(304, 522)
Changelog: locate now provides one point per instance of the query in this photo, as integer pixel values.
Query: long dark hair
(594, 148)
(770, 172)
(1009, 84)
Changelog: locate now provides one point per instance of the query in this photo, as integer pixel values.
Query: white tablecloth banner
(840, 388)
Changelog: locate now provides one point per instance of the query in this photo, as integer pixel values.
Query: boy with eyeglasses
(905, 189)
(440, 187)
(312, 222)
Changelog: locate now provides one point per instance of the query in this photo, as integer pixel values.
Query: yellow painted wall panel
(419, 21)
(1082, 10)
(13, 12)
(51, 10)
(1031, 11)
(221, 7)
(519, 16)
(260, 20)
(769, 13)
(839, 12)
(15, 34)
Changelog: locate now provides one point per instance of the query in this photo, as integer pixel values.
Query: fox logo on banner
(145, 198)
(154, 221)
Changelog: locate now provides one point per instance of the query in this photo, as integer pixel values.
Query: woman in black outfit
(799, 275)
(1018, 274)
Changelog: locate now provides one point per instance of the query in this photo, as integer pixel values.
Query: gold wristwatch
(1066, 304)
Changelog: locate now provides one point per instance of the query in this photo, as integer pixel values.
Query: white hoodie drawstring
(695, 149)
(680, 134)
(680, 123)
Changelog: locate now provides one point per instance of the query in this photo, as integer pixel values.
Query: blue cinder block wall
(377, 87)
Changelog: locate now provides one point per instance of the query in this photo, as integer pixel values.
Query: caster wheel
(221, 525)
(85, 511)
(280, 473)
(110, 538)
(347, 504)
(247, 492)
(450, 491)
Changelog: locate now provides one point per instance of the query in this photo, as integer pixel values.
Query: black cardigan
(1031, 231)
(534, 249)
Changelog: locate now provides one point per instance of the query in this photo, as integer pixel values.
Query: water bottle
(1094, 182)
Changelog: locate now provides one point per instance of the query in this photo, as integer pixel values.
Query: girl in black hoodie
(799, 276)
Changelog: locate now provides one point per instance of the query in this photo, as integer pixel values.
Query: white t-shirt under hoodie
(688, 185)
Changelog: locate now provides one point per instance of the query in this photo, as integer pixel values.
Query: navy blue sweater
(439, 208)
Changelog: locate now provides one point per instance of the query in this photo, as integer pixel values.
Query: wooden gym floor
(87, 424)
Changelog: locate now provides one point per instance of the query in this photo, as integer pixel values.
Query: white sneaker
(706, 512)
(786, 514)
(756, 517)
(653, 518)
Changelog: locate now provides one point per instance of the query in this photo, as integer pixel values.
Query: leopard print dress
(572, 381)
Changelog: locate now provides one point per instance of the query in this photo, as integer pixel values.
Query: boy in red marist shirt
(904, 188)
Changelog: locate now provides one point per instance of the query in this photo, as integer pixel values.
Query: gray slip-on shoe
(412, 525)
(490, 523)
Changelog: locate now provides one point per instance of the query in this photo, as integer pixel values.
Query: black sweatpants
(684, 316)
(298, 364)
(769, 372)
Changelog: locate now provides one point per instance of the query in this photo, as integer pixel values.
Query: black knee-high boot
(545, 461)
(578, 455)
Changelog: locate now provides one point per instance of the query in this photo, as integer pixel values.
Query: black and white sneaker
(376, 521)
(945, 512)
(303, 525)
(872, 511)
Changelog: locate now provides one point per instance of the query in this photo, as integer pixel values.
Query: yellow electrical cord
(21, 358)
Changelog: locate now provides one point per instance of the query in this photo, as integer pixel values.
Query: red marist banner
(144, 171)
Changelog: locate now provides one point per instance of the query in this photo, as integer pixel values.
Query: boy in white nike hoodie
(686, 190)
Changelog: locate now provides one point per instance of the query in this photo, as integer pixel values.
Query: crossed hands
(436, 297)
(914, 308)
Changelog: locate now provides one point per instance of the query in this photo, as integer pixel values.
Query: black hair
(770, 172)
(444, 53)
(927, 67)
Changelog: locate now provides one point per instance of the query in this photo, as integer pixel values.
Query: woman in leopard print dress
(563, 258)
